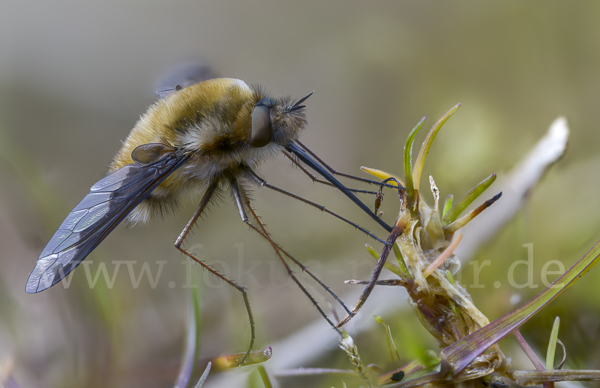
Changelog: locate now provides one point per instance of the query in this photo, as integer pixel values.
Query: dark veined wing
(182, 76)
(109, 201)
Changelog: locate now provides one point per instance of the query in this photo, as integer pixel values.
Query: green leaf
(400, 260)
(401, 272)
(418, 169)
(382, 175)
(408, 157)
(464, 220)
(429, 358)
(448, 204)
(456, 210)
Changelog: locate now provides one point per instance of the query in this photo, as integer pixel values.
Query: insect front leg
(341, 174)
(399, 226)
(322, 208)
(317, 180)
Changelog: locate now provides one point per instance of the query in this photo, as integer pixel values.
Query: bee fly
(201, 138)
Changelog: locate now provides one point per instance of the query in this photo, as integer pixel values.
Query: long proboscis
(306, 159)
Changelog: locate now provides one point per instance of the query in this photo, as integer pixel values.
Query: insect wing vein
(108, 202)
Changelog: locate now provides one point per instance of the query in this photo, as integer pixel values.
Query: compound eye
(261, 126)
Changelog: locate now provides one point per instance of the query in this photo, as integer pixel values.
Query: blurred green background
(75, 76)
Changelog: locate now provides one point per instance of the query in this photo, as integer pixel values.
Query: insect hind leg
(242, 200)
(203, 203)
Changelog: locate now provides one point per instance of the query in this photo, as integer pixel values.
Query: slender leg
(242, 199)
(203, 203)
(334, 172)
(399, 225)
(374, 278)
(386, 282)
(264, 183)
(317, 180)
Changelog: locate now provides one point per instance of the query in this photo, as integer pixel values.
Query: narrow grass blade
(189, 357)
(264, 376)
(536, 377)
(204, 376)
(552, 344)
(313, 372)
(390, 340)
(463, 352)
(528, 350)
